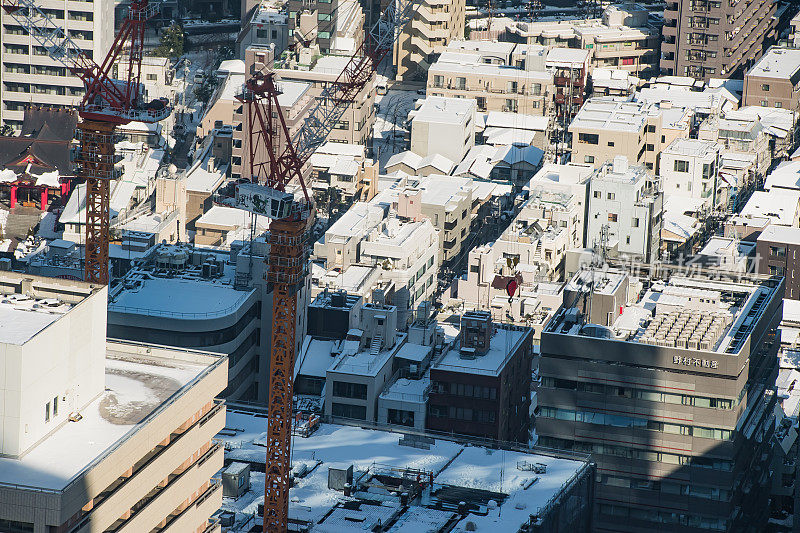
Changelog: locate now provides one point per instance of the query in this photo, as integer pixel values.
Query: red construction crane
(106, 104)
(276, 158)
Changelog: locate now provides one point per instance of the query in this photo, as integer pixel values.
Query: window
(651, 128)
(635, 223)
(610, 196)
(324, 16)
(152, 77)
(612, 217)
(12, 526)
(765, 87)
(588, 159)
(589, 138)
(650, 147)
(47, 412)
(611, 143)
(777, 251)
(349, 411)
(681, 166)
(55, 406)
(400, 417)
(461, 83)
(778, 104)
(344, 389)
(776, 270)
(438, 81)
(598, 194)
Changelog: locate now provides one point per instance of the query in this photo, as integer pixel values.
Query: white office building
(625, 210)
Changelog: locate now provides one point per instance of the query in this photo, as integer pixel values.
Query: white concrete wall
(65, 360)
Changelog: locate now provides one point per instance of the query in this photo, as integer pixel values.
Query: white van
(199, 76)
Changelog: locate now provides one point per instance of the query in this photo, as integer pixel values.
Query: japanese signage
(693, 361)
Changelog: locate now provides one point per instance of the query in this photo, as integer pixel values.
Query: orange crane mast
(106, 103)
(276, 165)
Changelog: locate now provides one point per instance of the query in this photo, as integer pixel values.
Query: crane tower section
(107, 102)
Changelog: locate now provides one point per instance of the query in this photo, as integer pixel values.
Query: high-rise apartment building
(31, 76)
(715, 39)
(669, 381)
(434, 25)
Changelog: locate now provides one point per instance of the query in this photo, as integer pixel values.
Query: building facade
(481, 386)
(434, 24)
(774, 81)
(31, 76)
(674, 395)
(96, 435)
(711, 39)
(776, 255)
(625, 210)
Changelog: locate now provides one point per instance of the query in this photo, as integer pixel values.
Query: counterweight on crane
(276, 159)
(106, 104)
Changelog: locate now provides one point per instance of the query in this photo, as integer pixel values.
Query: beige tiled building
(608, 126)
(435, 24)
(295, 102)
(355, 125)
(499, 76)
(494, 87)
(344, 167)
(623, 38)
(30, 75)
(101, 436)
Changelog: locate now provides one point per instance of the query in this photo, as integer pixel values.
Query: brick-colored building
(712, 39)
(775, 80)
(776, 255)
(482, 386)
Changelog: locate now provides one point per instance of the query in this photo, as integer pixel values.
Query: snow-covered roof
(75, 210)
(70, 450)
(416, 162)
(502, 346)
(438, 162)
(178, 297)
(451, 463)
(780, 63)
(230, 217)
(567, 57)
(785, 176)
(200, 179)
(407, 158)
(353, 150)
(501, 119)
(233, 66)
(683, 227)
(781, 206)
(507, 136)
(20, 320)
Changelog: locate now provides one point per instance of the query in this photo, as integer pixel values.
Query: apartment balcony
(671, 11)
(164, 460)
(175, 492)
(448, 226)
(669, 31)
(204, 506)
(564, 81)
(622, 52)
(562, 98)
(449, 245)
